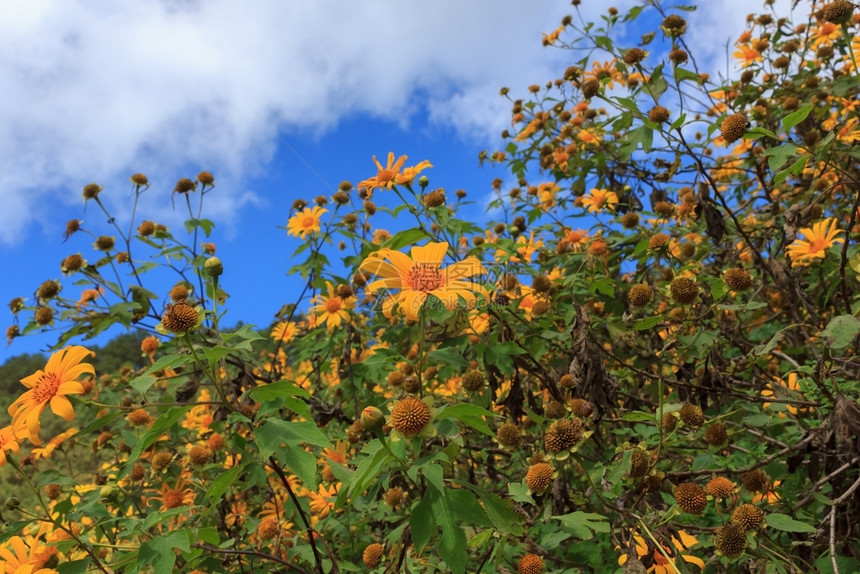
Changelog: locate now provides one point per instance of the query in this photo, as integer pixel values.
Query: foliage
(653, 354)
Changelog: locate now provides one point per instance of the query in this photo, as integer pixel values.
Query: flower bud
(371, 418)
(213, 267)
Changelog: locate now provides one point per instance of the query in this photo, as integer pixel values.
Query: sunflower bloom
(305, 222)
(597, 199)
(7, 442)
(27, 556)
(420, 276)
(331, 309)
(746, 55)
(660, 565)
(819, 238)
(390, 175)
(59, 379)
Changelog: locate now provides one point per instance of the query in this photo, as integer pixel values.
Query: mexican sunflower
(420, 276)
(391, 175)
(60, 378)
(658, 560)
(305, 222)
(820, 237)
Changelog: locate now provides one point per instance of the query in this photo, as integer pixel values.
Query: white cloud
(98, 91)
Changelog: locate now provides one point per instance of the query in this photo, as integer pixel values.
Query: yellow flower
(790, 385)
(331, 309)
(747, 55)
(60, 378)
(390, 175)
(597, 199)
(420, 276)
(20, 556)
(660, 565)
(7, 442)
(284, 331)
(820, 237)
(305, 222)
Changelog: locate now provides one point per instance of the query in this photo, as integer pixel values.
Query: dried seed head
(731, 540)
(179, 317)
(674, 25)
(756, 480)
(139, 179)
(581, 407)
(658, 241)
(630, 219)
(749, 516)
(563, 434)
(184, 185)
(720, 487)
(91, 191)
(372, 555)
(659, 114)
(199, 455)
(48, 290)
(539, 477)
(179, 292)
(838, 12)
(692, 415)
(146, 228)
(669, 422)
(715, 434)
(105, 243)
(590, 88)
(435, 198)
(684, 290)
(394, 497)
(509, 435)
(566, 382)
(640, 295)
(737, 279)
(639, 463)
(53, 491)
(634, 56)
(410, 415)
(138, 417)
(530, 564)
(733, 127)
(691, 498)
(555, 410)
(473, 381)
(43, 315)
(161, 460)
(206, 178)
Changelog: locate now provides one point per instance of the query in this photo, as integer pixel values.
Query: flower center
(309, 222)
(386, 176)
(333, 305)
(173, 499)
(659, 559)
(424, 277)
(46, 388)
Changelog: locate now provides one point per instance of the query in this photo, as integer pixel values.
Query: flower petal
(62, 408)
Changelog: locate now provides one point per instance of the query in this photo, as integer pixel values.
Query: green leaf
(142, 383)
(421, 520)
(793, 169)
(681, 74)
(765, 349)
(779, 155)
(158, 552)
(448, 355)
(404, 238)
(471, 415)
(74, 567)
(796, 117)
(656, 84)
(265, 393)
(647, 323)
(222, 482)
(466, 508)
(452, 548)
(369, 467)
(302, 463)
(584, 524)
(274, 432)
(786, 523)
(841, 331)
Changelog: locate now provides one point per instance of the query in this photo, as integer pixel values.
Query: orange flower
(305, 222)
(60, 378)
(331, 309)
(284, 331)
(26, 556)
(820, 237)
(660, 565)
(390, 175)
(176, 496)
(597, 199)
(420, 276)
(7, 442)
(747, 55)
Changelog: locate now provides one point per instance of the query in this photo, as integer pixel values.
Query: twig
(257, 553)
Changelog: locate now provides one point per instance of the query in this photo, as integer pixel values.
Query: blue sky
(94, 92)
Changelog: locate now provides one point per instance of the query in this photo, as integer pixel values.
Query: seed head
(640, 295)
(215, 442)
(530, 564)
(684, 290)
(395, 497)
(838, 12)
(581, 407)
(692, 415)
(138, 417)
(48, 290)
(555, 410)
(372, 555)
(509, 435)
(161, 460)
(733, 127)
(658, 241)
(678, 56)
(91, 191)
(674, 25)
(691, 498)
(105, 243)
(199, 455)
(541, 284)
(434, 199)
(669, 422)
(137, 472)
(590, 88)
(206, 178)
(749, 516)
(72, 226)
(410, 416)
(539, 477)
(473, 381)
(756, 480)
(731, 540)
(179, 317)
(72, 263)
(658, 114)
(715, 434)
(563, 434)
(53, 491)
(184, 185)
(720, 487)
(43, 315)
(634, 56)
(639, 463)
(566, 382)
(737, 279)
(140, 180)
